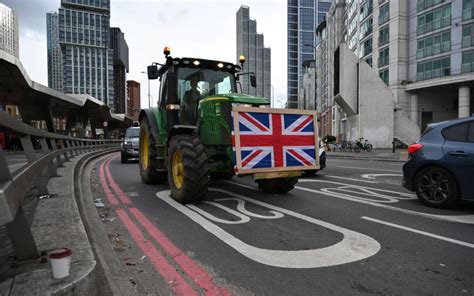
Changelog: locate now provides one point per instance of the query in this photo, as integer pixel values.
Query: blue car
(440, 167)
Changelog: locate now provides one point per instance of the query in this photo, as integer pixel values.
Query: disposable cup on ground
(60, 262)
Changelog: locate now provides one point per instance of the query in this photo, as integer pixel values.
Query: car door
(458, 151)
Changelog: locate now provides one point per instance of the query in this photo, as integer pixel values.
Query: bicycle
(362, 146)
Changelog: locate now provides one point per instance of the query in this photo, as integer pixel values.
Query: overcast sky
(192, 28)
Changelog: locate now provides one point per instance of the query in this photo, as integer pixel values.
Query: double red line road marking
(202, 280)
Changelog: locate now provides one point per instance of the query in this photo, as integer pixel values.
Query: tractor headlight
(241, 105)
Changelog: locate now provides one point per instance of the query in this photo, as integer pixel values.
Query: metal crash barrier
(54, 150)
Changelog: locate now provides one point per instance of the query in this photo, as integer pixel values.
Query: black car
(441, 164)
(129, 146)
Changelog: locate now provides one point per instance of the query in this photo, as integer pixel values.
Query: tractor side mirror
(153, 72)
(253, 80)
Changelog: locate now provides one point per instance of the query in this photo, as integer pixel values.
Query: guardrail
(55, 149)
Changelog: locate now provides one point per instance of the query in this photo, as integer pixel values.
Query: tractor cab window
(195, 84)
(163, 90)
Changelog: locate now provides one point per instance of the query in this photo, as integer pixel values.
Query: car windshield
(132, 133)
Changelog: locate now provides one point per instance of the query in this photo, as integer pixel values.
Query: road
(350, 230)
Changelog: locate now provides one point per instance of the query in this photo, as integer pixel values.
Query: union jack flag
(270, 140)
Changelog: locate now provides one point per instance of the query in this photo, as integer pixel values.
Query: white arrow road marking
(353, 247)
(465, 219)
(242, 209)
(443, 238)
(374, 176)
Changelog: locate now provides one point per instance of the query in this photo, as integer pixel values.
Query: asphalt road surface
(350, 230)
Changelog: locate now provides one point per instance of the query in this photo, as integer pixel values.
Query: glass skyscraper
(85, 63)
(9, 40)
(304, 16)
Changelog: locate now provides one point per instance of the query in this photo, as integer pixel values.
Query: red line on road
(122, 196)
(167, 271)
(191, 268)
(110, 197)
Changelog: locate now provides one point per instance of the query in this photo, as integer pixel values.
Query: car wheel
(436, 187)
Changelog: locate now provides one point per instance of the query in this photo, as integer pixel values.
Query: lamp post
(148, 88)
(272, 104)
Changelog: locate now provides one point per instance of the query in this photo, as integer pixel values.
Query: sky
(191, 28)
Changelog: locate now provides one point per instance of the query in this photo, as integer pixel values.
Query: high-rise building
(9, 40)
(304, 16)
(133, 99)
(394, 67)
(258, 58)
(87, 59)
(55, 57)
(120, 47)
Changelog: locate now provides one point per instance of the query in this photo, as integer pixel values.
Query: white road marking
(353, 247)
(350, 179)
(369, 169)
(374, 176)
(443, 238)
(243, 218)
(464, 219)
(242, 209)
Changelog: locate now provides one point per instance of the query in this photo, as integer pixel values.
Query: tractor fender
(149, 114)
(181, 130)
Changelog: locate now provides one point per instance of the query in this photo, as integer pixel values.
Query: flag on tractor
(266, 140)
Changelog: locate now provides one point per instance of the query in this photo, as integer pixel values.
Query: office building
(55, 58)
(303, 18)
(87, 58)
(258, 57)
(133, 99)
(9, 41)
(396, 66)
(120, 48)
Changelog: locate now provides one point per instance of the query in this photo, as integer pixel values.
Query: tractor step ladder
(161, 160)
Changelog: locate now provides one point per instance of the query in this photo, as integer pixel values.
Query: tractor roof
(208, 64)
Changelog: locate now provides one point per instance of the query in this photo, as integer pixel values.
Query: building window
(369, 61)
(383, 57)
(384, 14)
(468, 35)
(433, 69)
(424, 4)
(366, 28)
(384, 35)
(306, 19)
(434, 44)
(366, 9)
(467, 11)
(384, 76)
(467, 61)
(366, 47)
(434, 20)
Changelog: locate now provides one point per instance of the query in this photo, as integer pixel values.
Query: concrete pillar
(464, 98)
(414, 109)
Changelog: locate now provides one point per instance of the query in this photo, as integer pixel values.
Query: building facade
(133, 99)
(55, 57)
(304, 16)
(421, 52)
(120, 48)
(87, 58)
(258, 57)
(9, 40)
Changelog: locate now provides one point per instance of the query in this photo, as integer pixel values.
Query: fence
(55, 149)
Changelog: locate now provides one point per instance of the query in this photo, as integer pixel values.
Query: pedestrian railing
(55, 149)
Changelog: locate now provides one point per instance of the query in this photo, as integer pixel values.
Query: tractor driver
(190, 101)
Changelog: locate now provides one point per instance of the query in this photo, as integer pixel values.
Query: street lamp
(148, 88)
(272, 104)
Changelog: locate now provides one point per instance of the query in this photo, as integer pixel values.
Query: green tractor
(187, 139)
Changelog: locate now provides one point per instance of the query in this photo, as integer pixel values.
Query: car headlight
(127, 142)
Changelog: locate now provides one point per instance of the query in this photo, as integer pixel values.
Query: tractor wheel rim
(144, 151)
(178, 170)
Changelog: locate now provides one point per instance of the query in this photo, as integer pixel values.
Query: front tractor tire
(278, 185)
(188, 171)
(147, 159)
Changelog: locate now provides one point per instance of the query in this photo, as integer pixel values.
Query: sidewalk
(400, 155)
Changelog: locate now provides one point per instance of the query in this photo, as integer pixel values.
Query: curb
(365, 158)
(109, 268)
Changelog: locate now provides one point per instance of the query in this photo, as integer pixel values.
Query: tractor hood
(237, 98)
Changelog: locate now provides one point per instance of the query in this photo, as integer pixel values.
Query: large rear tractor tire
(147, 161)
(188, 171)
(279, 185)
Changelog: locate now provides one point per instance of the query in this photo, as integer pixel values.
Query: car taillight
(414, 147)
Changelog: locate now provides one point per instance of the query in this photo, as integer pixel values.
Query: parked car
(129, 146)
(322, 161)
(440, 167)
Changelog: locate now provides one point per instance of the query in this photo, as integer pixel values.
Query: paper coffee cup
(60, 262)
